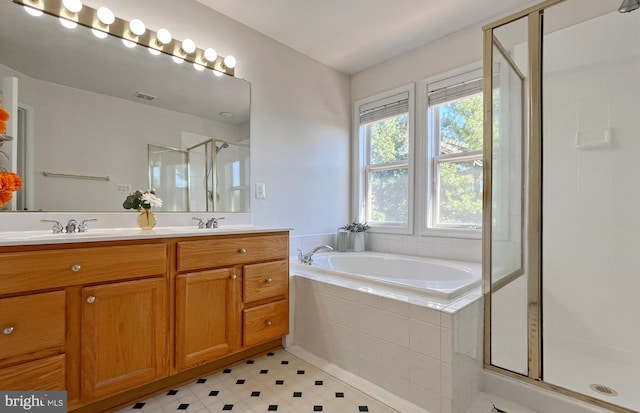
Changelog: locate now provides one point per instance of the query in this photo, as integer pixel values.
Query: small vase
(358, 241)
(146, 219)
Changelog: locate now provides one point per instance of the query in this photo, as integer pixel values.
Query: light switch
(261, 191)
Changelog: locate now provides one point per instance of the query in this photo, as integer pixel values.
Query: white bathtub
(437, 278)
(406, 329)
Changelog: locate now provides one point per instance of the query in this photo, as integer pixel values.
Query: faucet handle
(57, 226)
(201, 223)
(83, 227)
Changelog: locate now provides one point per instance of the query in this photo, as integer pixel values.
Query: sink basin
(107, 234)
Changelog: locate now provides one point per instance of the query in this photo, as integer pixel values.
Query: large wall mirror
(97, 120)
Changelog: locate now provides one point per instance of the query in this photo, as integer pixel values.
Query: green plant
(356, 227)
(142, 200)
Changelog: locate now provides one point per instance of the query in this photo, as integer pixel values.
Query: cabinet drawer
(226, 251)
(266, 322)
(44, 374)
(32, 322)
(266, 280)
(34, 270)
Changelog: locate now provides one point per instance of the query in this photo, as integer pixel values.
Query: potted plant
(357, 231)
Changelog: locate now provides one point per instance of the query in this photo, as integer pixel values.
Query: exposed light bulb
(230, 62)
(198, 67)
(32, 11)
(137, 27)
(217, 73)
(153, 51)
(128, 43)
(164, 36)
(106, 16)
(210, 55)
(99, 34)
(73, 6)
(177, 59)
(68, 23)
(188, 46)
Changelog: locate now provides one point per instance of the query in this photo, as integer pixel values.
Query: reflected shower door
(168, 175)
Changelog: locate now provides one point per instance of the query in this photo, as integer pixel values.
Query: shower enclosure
(212, 175)
(562, 103)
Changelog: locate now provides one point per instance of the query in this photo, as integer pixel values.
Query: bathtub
(405, 329)
(440, 279)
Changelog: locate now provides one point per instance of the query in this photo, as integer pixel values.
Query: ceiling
(352, 35)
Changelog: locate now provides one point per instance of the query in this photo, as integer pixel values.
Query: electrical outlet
(261, 191)
(126, 188)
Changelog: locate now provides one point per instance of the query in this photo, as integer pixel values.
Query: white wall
(300, 114)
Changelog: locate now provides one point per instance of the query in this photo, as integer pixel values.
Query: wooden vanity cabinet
(112, 322)
(89, 318)
(123, 336)
(208, 311)
(32, 341)
(224, 296)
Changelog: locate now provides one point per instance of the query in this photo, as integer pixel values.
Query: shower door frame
(533, 270)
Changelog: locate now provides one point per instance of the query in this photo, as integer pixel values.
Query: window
(454, 131)
(385, 132)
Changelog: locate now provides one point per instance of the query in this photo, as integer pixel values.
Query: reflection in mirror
(210, 176)
(92, 107)
(509, 344)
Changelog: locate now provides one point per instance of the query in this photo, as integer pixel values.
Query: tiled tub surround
(458, 249)
(414, 349)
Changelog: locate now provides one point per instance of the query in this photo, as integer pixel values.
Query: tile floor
(276, 382)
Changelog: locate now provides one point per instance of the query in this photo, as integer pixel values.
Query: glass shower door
(504, 222)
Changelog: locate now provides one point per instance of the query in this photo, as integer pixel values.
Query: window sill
(452, 233)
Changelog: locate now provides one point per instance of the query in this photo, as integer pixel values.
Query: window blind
(454, 88)
(384, 108)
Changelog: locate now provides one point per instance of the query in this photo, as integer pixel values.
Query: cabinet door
(124, 338)
(208, 316)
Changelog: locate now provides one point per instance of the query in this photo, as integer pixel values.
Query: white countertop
(10, 238)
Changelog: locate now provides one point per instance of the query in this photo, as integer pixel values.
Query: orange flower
(3, 127)
(10, 181)
(5, 197)
(4, 115)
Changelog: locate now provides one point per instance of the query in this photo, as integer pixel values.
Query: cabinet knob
(268, 322)
(91, 299)
(7, 330)
(268, 280)
(243, 250)
(75, 268)
(233, 276)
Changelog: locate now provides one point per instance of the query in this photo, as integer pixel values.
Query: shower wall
(591, 205)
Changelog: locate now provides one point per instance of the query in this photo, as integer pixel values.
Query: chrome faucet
(213, 222)
(308, 257)
(83, 227)
(210, 223)
(71, 226)
(57, 226)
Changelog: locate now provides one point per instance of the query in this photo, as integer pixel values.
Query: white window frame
(361, 168)
(429, 150)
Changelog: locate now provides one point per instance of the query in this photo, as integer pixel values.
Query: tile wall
(435, 247)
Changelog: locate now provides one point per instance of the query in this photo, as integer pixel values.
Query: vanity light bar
(88, 17)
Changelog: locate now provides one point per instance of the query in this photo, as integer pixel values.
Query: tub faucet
(71, 226)
(308, 257)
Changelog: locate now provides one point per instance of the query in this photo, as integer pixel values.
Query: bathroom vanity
(116, 320)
